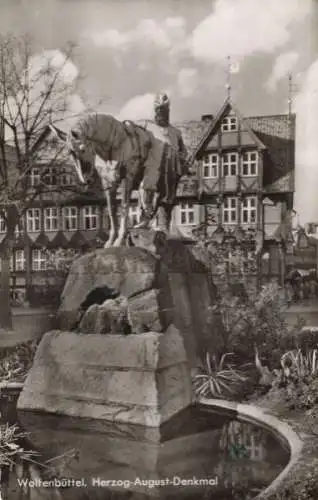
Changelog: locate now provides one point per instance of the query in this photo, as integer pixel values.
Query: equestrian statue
(150, 158)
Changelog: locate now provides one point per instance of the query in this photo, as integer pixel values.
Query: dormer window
(229, 124)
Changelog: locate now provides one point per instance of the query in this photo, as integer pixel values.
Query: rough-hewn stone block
(142, 379)
(150, 311)
(162, 281)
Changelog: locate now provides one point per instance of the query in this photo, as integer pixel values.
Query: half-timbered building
(244, 178)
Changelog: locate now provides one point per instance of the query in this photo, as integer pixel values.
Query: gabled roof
(280, 126)
(53, 150)
(213, 126)
(192, 132)
(46, 132)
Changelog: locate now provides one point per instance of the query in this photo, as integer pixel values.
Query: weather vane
(291, 89)
(228, 79)
(232, 68)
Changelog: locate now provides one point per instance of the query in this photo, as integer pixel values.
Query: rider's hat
(161, 100)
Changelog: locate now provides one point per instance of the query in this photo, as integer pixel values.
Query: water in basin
(199, 454)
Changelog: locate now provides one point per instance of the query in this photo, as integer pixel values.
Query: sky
(127, 50)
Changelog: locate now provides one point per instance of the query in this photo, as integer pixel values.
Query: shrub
(302, 486)
(298, 378)
(248, 319)
(10, 445)
(299, 365)
(16, 361)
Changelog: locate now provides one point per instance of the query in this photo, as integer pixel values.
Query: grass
(10, 447)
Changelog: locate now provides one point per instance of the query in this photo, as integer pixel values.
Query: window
(249, 163)
(51, 219)
(134, 215)
(33, 220)
(249, 210)
(230, 210)
(50, 176)
(69, 218)
(11, 263)
(39, 260)
(187, 214)
(90, 217)
(19, 260)
(18, 231)
(66, 178)
(2, 225)
(229, 164)
(210, 166)
(229, 124)
(35, 177)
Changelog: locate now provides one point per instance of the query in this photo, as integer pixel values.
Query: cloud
(76, 105)
(138, 107)
(306, 105)
(110, 38)
(240, 28)
(283, 65)
(148, 33)
(187, 82)
(53, 60)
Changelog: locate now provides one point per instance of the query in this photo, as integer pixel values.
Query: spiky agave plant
(299, 364)
(220, 378)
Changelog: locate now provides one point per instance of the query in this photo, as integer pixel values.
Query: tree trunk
(5, 308)
(5, 302)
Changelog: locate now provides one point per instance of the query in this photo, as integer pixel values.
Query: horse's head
(80, 149)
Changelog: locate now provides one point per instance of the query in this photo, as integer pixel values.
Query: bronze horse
(128, 155)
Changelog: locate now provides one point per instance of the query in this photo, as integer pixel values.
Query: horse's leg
(164, 216)
(122, 232)
(147, 202)
(110, 195)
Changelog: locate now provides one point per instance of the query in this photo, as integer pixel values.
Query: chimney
(206, 118)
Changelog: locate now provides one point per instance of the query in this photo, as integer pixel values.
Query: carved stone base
(141, 379)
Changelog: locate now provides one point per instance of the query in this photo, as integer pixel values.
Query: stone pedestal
(141, 379)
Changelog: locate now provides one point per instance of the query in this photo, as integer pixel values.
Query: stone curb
(11, 386)
(256, 415)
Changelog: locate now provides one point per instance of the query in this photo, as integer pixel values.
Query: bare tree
(34, 91)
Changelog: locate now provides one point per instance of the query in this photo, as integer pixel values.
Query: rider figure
(166, 163)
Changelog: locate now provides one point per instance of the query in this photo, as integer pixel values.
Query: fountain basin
(259, 416)
(193, 450)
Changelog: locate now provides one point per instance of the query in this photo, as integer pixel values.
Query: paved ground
(10, 339)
